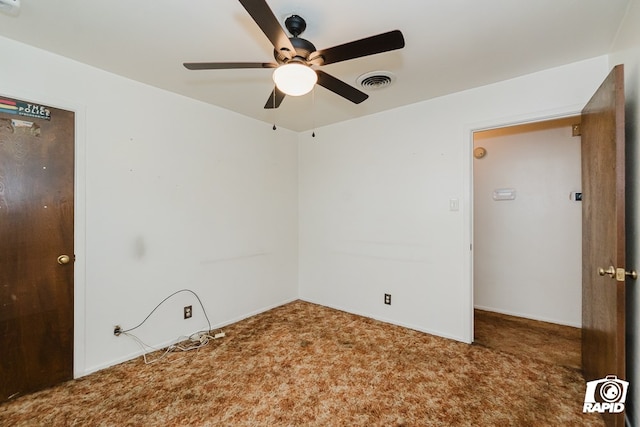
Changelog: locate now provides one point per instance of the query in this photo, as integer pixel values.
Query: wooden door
(36, 228)
(603, 244)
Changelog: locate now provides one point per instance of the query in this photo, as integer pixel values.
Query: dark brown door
(36, 232)
(603, 244)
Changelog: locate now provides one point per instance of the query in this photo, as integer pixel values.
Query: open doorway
(527, 238)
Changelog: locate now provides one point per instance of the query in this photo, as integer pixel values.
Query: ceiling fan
(295, 56)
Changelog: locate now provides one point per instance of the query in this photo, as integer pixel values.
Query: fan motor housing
(303, 47)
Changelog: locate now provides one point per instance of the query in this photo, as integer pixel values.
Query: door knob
(619, 273)
(63, 259)
(611, 271)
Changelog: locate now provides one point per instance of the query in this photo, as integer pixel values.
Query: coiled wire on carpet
(195, 341)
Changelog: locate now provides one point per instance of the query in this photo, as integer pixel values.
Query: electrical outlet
(188, 312)
(387, 299)
(117, 330)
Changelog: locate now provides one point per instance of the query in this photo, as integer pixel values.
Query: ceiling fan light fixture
(295, 79)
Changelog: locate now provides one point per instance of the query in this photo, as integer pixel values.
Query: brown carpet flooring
(307, 365)
(546, 342)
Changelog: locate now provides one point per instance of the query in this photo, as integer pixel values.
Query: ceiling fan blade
(268, 23)
(275, 99)
(341, 88)
(227, 65)
(384, 42)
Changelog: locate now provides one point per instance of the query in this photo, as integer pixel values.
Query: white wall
(171, 193)
(374, 199)
(626, 51)
(528, 251)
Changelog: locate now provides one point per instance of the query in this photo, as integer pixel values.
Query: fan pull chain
(313, 111)
(274, 105)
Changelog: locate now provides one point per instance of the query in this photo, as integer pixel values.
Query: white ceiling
(451, 45)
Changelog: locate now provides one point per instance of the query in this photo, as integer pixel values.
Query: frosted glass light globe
(295, 79)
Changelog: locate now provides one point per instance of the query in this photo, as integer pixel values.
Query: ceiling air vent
(376, 80)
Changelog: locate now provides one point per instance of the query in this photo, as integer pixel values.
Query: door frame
(79, 226)
(468, 215)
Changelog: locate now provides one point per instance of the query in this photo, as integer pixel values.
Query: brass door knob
(619, 273)
(63, 259)
(611, 271)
